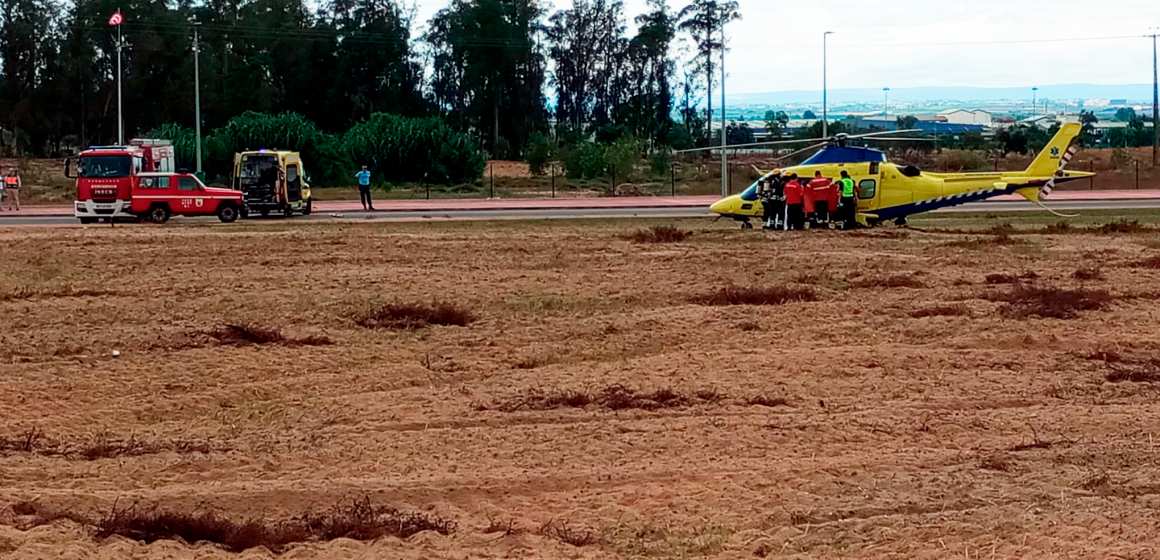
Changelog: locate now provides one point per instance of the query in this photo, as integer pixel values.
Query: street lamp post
(120, 118)
(825, 102)
(1155, 101)
(724, 154)
(885, 106)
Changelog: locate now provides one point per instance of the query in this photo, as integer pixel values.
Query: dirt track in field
(933, 437)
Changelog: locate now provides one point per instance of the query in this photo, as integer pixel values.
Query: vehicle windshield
(100, 167)
(750, 194)
(260, 167)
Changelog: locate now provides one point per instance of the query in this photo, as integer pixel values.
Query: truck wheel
(227, 213)
(87, 221)
(159, 214)
(309, 207)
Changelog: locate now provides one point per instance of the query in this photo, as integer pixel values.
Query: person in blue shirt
(364, 189)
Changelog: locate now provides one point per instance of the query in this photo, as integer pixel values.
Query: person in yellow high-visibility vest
(848, 204)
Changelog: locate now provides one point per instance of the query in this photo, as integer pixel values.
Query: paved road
(574, 213)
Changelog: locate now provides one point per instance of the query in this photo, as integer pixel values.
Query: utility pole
(1155, 102)
(724, 154)
(120, 119)
(197, 96)
(825, 118)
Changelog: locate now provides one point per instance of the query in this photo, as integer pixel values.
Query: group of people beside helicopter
(789, 202)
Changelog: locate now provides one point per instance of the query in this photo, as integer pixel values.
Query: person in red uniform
(835, 199)
(809, 206)
(795, 217)
(824, 200)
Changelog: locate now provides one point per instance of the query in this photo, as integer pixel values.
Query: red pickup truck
(156, 196)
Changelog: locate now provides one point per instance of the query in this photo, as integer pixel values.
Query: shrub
(1135, 375)
(612, 397)
(659, 234)
(1150, 262)
(401, 149)
(101, 445)
(287, 131)
(1010, 278)
(896, 281)
(1123, 226)
(622, 155)
(767, 401)
(774, 295)
(996, 463)
(566, 534)
(660, 163)
(584, 160)
(541, 150)
(415, 316)
(1088, 273)
(359, 520)
(1136, 371)
(981, 244)
(1024, 301)
(502, 148)
(955, 310)
(247, 335)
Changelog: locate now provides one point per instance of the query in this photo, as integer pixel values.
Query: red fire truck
(138, 181)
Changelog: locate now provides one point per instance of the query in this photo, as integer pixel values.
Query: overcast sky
(904, 43)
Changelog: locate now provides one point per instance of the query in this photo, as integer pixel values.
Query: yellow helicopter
(888, 191)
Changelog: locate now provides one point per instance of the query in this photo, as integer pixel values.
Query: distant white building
(1042, 121)
(967, 116)
(1047, 121)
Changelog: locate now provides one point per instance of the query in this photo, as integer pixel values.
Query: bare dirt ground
(852, 426)
(507, 169)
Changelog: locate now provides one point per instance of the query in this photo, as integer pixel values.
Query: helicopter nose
(720, 207)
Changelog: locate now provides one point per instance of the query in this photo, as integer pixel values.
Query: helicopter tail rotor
(1046, 189)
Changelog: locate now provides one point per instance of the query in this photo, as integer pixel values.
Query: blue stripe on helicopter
(949, 200)
(928, 205)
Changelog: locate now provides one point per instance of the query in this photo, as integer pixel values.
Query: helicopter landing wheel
(746, 225)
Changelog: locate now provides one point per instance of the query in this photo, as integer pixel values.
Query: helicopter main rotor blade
(899, 139)
(750, 145)
(792, 154)
(884, 133)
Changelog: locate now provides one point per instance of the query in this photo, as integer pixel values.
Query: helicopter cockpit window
(750, 194)
(911, 171)
(874, 168)
(867, 188)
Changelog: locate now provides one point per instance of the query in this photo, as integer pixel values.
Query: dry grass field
(578, 390)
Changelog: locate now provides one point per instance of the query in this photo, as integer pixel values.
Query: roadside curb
(532, 205)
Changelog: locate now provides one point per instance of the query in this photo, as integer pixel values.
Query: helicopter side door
(895, 189)
(865, 176)
(866, 186)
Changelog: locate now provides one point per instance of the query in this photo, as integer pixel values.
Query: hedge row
(396, 149)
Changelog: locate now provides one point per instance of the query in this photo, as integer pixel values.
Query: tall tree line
(501, 70)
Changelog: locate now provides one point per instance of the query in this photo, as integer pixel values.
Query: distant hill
(1138, 93)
